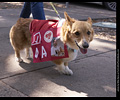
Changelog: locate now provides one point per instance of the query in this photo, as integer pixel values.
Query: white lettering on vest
(36, 39)
(36, 53)
(44, 53)
(48, 36)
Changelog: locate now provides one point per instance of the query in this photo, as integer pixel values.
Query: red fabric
(42, 34)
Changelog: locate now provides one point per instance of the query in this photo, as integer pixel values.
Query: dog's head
(77, 34)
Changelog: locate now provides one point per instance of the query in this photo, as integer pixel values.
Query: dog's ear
(89, 20)
(68, 19)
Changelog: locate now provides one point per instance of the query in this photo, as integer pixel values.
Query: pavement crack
(14, 88)
(24, 72)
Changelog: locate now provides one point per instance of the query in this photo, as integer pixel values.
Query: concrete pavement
(94, 73)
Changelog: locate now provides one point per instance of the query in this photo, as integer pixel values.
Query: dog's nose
(85, 45)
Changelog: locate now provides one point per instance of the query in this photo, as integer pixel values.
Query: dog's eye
(77, 33)
(88, 32)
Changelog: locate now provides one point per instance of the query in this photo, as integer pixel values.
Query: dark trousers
(36, 8)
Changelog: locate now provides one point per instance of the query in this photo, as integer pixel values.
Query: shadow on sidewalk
(92, 77)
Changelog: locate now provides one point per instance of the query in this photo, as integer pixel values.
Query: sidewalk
(94, 73)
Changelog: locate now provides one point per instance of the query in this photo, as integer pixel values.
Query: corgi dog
(76, 34)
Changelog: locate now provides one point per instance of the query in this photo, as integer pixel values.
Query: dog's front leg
(64, 69)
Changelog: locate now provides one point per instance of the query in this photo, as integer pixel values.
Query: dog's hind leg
(17, 56)
(27, 52)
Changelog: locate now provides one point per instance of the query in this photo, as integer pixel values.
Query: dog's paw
(18, 60)
(66, 71)
(28, 56)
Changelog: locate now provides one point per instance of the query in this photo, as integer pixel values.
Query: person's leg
(26, 10)
(37, 10)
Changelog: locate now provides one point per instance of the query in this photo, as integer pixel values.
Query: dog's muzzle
(83, 50)
(85, 45)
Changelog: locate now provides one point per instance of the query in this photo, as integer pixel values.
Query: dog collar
(74, 50)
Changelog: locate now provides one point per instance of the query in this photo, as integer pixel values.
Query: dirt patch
(105, 33)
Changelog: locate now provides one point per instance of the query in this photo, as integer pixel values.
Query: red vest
(45, 41)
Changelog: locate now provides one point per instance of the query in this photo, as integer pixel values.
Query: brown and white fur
(72, 32)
